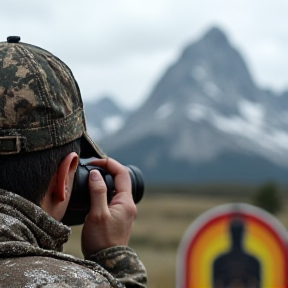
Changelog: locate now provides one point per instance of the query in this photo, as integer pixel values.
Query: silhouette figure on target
(236, 268)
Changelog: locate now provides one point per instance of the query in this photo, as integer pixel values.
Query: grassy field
(160, 225)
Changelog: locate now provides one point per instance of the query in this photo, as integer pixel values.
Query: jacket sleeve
(123, 263)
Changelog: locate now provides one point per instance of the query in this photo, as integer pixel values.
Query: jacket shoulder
(36, 271)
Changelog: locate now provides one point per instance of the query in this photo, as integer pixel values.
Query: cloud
(123, 46)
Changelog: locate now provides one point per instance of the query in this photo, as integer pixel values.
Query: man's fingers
(98, 195)
(120, 173)
(107, 226)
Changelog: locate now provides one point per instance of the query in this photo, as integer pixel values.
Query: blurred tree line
(269, 198)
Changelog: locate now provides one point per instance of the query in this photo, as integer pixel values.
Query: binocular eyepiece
(79, 203)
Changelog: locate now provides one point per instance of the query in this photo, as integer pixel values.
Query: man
(42, 135)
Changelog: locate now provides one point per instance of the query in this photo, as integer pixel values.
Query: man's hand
(108, 225)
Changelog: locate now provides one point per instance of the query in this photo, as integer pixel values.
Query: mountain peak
(208, 117)
(215, 35)
(106, 103)
(213, 40)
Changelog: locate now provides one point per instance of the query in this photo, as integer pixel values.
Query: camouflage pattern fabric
(40, 102)
(30, 253)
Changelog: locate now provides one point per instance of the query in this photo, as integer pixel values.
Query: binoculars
(79, 203)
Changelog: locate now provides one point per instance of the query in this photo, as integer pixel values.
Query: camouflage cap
(40, 102)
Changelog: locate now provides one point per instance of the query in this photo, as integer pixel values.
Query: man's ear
(65, 176)
(57, 196)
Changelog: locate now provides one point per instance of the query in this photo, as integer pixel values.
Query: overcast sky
(122, 47)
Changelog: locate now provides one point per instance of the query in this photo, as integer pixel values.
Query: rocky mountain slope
(206, 120)
(104, 117)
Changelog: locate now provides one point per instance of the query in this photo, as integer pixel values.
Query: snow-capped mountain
(104, 117)
(206, 120)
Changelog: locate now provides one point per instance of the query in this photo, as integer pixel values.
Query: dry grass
(160, 225)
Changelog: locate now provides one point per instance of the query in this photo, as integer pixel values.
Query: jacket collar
(21, 220)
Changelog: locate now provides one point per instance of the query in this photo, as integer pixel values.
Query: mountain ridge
(204, 110)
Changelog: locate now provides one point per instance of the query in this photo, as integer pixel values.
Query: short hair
(29, 174)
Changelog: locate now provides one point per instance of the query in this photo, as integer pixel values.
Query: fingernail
(94, 175)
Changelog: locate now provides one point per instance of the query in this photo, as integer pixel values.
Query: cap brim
(90, 149)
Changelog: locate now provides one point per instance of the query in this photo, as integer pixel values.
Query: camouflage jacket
(30, 253)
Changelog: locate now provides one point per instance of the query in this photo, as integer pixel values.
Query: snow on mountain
(104, 117)
(207, 116)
